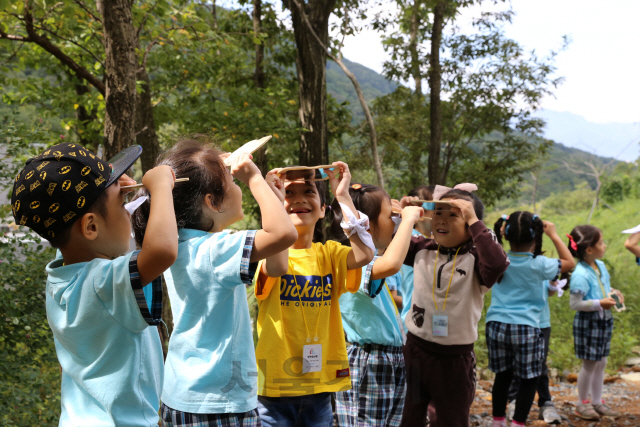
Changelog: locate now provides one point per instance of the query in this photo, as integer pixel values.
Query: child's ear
(208, 202)
(89, 227)
(323, 211)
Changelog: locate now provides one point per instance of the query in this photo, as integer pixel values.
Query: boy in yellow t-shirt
(301, 351)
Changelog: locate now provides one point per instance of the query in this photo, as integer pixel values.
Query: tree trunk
(434, 95)
(413, 46)
(535, 190)
(260, 157)
(145, 125)
(120, 75)
(311, 62)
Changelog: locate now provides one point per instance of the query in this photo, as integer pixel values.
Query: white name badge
(312, 358)
(440, 325)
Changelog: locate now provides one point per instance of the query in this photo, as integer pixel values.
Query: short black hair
(478, 206)
(99, 207)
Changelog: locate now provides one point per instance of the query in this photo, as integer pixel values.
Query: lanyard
(433, 286)
(391, 296)
(293, 273)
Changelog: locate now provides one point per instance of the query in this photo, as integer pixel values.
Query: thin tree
(594, 172)
(373, 138)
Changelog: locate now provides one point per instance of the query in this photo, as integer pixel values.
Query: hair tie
(329, 207)
(534, 217)
(533, 233)
(506, 230)
(505, 217)
(572, 242)
(356, 186)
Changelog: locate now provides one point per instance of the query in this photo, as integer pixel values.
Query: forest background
(452, 106)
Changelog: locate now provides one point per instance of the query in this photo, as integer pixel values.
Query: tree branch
(4, 35)
(72, 42)
(86, 9)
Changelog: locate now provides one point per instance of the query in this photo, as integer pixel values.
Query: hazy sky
(601, 66)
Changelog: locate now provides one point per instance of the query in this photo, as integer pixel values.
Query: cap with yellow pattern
(59, 185)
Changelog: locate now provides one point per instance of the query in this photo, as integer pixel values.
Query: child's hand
(340, 186)
(158, 177)
(549, 228)
(244, 169)
(465, 209)
(412, 214)
(406, 201)
(619, 295)
(607, 303)
(276, 183)
(396, 206)
(125, 180)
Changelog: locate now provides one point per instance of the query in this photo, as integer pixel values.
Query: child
(452, 273)
(631, 244)
(101, 302)
(210, 377)
(371, 320)
(514, 339)
(301, 350)
(548, 411)
(593, 322)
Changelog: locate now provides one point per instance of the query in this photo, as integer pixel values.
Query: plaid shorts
(520, 347)
(591, 335)
(378, 388)
(175, 418)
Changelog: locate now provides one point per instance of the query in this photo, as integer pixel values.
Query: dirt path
(621, 395)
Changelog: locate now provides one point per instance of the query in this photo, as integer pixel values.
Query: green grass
(625, 276)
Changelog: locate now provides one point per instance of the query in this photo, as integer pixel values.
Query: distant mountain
(614, 140)
(618, 140)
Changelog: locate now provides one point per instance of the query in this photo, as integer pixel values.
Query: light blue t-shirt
(211, 364)
(584, 280)
(406, 287)
(111, 359)
(518, 298)
(369, 316)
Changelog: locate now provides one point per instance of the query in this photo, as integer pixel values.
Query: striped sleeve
(148, 297)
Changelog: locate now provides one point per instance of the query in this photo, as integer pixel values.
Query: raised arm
(632, 244)
(276, 265)
(566, 259)
(360, 254)
(278, 233)
(160, 245)
(393, 258)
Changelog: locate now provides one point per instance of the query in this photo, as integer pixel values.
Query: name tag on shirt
(312, 358)
(440, 325)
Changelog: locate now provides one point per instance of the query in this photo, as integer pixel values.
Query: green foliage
(29, 372)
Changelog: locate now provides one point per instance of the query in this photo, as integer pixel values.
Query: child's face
(302, 203)
(448, 227)
(114, 231)
(382, 232)
(597, 251)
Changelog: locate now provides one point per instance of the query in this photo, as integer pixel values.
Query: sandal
(586, 411)
(606, 411)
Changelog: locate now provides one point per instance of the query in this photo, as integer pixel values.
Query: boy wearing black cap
(100, 302)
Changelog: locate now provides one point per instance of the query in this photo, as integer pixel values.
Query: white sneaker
(549, 414)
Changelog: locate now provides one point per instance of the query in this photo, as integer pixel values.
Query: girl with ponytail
(593, 322)
(517, 345)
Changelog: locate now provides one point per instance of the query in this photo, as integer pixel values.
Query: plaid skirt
(591, 335)
(517, 347)
(175, 418)
(378, 388)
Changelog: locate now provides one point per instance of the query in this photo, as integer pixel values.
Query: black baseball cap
(59, 185)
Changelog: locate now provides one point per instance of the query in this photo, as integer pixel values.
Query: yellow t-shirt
(314, 282)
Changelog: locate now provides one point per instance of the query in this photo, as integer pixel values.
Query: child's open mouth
(299, 211)
(441, 231)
